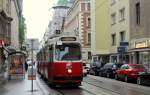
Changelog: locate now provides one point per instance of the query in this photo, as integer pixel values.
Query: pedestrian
(26, 66)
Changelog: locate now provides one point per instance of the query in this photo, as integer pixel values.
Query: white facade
(119, 16)
(59, 15)
(76, 21)
(35, 48)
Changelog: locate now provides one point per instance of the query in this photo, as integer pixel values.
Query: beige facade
(119, 29)
(100, 30)
(78, 21)
(140, 31)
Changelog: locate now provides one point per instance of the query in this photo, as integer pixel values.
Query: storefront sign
(141, 44)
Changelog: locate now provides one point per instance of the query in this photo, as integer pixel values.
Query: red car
(129, 71)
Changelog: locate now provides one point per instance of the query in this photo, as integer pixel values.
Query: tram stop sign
(31, 74)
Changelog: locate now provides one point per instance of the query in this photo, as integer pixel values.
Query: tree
(22, 30)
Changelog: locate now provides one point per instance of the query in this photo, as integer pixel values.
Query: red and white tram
(59, 61)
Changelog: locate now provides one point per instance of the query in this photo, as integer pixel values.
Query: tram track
(74, 91)
(97, 83)
(120, 88)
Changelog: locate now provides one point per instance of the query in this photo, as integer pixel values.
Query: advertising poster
(16, 65)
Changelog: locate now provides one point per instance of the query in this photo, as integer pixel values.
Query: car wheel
(139, 81)
(126, 78)
(107, 75)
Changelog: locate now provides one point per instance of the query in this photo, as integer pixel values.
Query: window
(122, 36)
(88, 6)
(122, 14)
(113, 39)
(89, 55)
(137, 13)
(89, 38)
(89, 23)
(113, 18)
(82, 6)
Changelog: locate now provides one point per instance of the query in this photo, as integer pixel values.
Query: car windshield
(138, 66)
(68, 52)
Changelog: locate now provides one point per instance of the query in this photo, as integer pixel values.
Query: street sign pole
(32, 40)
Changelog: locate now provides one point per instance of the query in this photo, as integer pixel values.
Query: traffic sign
(124, 43)
(121, 49)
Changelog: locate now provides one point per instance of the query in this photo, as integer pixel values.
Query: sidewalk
(22, 87)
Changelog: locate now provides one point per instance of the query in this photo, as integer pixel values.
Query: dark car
(144, 77)
(129, 71)
(109, 69)
(95, 68)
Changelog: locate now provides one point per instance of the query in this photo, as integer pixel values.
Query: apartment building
(119, 30)
(5, 31)
(16, 12)
(78, 20)
(58, 19)
(100, 30)
(140, 31)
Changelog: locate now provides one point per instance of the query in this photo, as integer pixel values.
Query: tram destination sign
(68, 39)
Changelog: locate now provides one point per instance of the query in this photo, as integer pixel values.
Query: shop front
(140, 53)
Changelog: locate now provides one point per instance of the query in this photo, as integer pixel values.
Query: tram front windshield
(68, 52)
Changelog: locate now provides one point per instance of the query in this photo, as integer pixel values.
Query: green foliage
(22, 30)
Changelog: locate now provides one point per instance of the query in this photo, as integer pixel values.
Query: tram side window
(51, 53)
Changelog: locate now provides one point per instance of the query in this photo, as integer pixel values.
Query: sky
(37, 14)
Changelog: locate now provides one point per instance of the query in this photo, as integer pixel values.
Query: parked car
(129, 71)
(86, 68)
(144, 77)
(84, 71)
(95, 68)
(109, 69)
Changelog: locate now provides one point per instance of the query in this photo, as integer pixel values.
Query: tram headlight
(69, 71)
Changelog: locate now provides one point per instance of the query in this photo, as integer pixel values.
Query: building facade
(35, 48)
(58, 19)
(5, 32)
(140, 31)
(16, 10)
(119, 30)
(5, 21)
(100, 30)
(78, 20)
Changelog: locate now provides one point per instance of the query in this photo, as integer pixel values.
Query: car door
(125, 71)
(120, 72)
